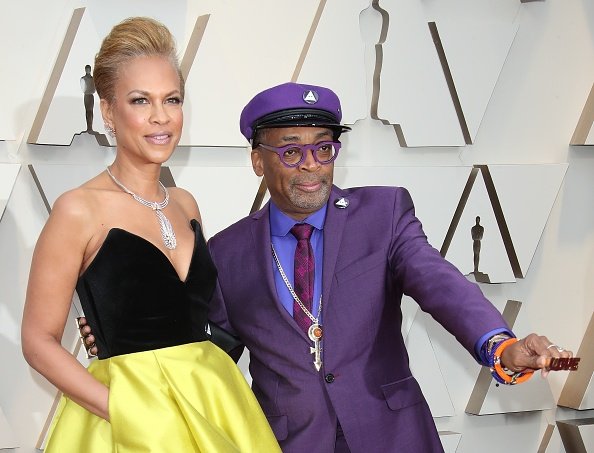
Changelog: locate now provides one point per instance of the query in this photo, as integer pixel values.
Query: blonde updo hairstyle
(133, 37)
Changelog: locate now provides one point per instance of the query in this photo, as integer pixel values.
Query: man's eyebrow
(290, 138)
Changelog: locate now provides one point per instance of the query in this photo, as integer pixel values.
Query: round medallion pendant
(314, 332)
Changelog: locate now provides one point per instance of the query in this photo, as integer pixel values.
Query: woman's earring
(110, 130)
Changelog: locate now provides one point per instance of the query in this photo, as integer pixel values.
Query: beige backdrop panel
(414, 91)
(476, 46)
(31, 42)
(8, 175)
(241, 54)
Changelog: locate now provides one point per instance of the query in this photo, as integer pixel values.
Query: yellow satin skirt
(188, 398)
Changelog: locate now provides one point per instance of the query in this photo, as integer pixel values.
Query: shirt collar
(281, 224)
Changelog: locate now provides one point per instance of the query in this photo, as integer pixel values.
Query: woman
(135, 253)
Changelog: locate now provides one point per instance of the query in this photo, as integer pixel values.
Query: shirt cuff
(480, 351)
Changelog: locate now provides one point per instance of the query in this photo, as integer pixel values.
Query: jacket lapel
(263, 252)
(260, 230)
(333, 229)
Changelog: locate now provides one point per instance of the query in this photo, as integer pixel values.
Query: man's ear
(257, 162)
(106, 113)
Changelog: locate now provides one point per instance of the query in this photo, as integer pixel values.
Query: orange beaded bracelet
(499, 372)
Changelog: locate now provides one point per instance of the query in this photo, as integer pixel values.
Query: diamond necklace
(167, 232)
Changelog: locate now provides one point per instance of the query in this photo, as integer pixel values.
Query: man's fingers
(539, 344)
(542, 362)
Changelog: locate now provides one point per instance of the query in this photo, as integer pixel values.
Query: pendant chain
(167, 232)
(315, 330)
(292, 291)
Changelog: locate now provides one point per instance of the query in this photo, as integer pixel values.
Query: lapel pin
(341, 203)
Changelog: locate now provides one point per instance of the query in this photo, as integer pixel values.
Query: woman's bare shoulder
(79, 205)
(186, 201)
(73, 203)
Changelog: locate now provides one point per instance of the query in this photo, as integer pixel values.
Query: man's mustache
(309, 180)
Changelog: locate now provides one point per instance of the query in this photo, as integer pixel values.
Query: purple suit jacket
(374, 251)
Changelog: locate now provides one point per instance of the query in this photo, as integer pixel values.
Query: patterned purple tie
(304, 274)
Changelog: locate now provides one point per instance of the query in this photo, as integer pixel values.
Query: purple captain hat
(292, 104)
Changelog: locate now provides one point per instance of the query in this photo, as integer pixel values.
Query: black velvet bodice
(134, 300)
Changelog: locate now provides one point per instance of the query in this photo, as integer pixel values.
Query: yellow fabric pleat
(188, 398)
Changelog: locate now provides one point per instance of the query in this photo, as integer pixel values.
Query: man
(368, 250)
(318, 306)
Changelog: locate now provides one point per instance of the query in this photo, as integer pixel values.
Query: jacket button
(329, 378)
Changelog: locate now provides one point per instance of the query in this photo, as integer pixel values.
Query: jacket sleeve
(437, 286)
(220, 331)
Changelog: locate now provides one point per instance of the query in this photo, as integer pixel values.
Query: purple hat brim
(297, 123)
(300, 117)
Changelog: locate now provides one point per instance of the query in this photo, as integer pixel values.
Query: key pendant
(315, 334)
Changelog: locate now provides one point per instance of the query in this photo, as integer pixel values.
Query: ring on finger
(558, 348)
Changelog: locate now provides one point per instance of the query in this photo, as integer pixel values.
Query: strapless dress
(170, 389)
